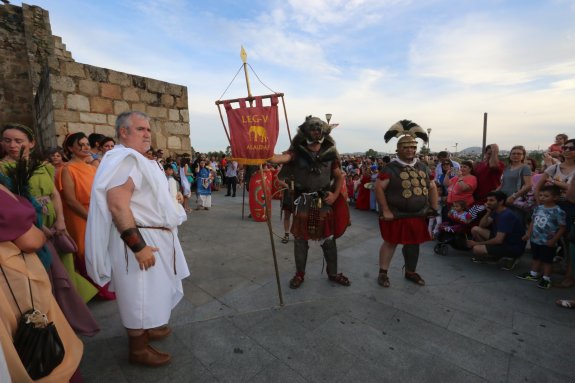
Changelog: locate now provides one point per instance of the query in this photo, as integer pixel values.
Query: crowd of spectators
(507, 204)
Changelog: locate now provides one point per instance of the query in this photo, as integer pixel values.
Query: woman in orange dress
(76, 180)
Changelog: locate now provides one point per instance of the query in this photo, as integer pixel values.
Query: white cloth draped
(186, 187)
(145, 298)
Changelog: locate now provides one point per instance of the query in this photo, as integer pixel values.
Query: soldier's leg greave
(330, 254)
(411, 256)
(300, 254)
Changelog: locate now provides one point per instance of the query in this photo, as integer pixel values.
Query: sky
(370, 63)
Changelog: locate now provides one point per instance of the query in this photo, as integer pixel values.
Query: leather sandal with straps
(414, 277)
(297, 280)
(383, 280)
(339, 279)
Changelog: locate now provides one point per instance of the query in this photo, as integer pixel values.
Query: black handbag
(36, 340)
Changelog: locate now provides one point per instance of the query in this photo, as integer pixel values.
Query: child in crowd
(458, 218)
(350, 187)
(556, 149)
(173, 186)
(546, 228)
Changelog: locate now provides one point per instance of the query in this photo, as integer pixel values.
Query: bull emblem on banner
(259, 133)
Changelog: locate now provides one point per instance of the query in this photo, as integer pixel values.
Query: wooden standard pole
(270, 230)
(484, 133)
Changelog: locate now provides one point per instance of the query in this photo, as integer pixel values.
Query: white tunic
(145, 298)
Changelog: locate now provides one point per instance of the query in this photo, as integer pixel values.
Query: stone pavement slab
(470, 323)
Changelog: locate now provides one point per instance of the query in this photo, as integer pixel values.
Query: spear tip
(244, 55)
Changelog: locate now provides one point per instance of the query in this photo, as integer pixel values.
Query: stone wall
(87, 99)
(16, 97)
(72, 97)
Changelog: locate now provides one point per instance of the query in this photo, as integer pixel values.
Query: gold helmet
(408, 131)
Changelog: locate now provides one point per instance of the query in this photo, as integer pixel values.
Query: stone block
(78, 102)
(62, 115)
(139, 107)
(120, 107)
(148, 98)
(160, 141)
(57, 100)
(182, 102)
(112, 120)
(101, 105)
(139, 82)
(74, 127)
(157, 112)
(180, 128)
(107, 130)
(96, 73)
(61, 128)
(155, 85)
(173, 115)
(94, 118)
(167, 100)
(131, 94)
(185, 115)
(62, 83)
(89, 87)
(174, 143)
(72, 69)
(119, 78)
(112, 91)
(186, 143)
(174, 90)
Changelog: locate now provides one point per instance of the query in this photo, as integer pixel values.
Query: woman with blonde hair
(516, 178)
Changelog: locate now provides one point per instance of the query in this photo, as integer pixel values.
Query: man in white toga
(132, 238)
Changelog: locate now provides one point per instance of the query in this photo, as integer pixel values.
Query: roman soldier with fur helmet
(312, 166)
(407, 196)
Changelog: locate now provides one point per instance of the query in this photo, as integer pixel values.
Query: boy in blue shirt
(546, 228)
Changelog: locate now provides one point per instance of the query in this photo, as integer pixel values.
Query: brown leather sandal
(383, 280)
(339, 279)
(296, 281)
(414, 277)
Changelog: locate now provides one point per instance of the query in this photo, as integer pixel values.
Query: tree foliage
(371, 153)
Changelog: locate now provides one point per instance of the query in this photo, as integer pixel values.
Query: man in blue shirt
(499, 233)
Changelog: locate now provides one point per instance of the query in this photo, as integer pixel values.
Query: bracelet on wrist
(133, 239)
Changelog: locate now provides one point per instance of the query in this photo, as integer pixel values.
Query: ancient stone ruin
(42, 86)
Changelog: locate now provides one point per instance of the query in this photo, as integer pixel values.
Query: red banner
(253, 130)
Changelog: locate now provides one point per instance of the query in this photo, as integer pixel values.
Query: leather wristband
(133, 239)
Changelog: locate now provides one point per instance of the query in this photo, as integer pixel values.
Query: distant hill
(470, 151)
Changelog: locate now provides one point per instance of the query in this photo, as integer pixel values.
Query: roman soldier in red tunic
(320, 211)
(407, 196)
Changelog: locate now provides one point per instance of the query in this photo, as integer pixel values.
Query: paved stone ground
(470, 323)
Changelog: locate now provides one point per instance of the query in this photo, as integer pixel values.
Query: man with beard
(407, 196)
(320, 213)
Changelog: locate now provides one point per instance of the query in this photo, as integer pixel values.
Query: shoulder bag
(36, 340)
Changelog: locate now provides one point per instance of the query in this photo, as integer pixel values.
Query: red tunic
(362, 202)
(488, 179)
(405, 231)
